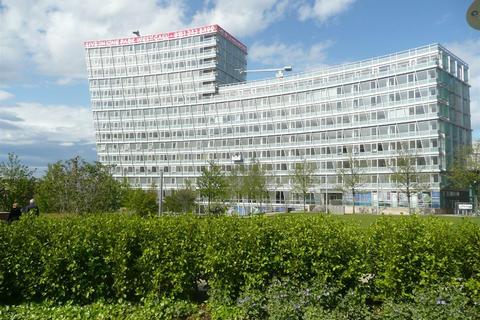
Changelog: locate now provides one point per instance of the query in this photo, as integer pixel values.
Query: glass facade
(171, 105)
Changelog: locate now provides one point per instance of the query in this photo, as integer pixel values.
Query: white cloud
(241, 18)
(323, 10)
(46, 36)
(34, 123)
(51, 33)
(279, 54)
(12, 53)
(4, 95)
(469, 51)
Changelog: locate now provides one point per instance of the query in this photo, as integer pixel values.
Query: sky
(45, 113)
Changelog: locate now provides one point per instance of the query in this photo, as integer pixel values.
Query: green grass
(366, 220)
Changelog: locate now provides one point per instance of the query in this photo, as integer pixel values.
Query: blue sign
(435, 199)
(363, 199)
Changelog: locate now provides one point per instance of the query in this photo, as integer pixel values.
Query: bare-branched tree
(303, 179)
(352, 175)
(407, 175)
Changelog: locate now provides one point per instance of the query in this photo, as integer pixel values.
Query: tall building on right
(454, 123)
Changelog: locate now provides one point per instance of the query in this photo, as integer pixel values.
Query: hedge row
(240, 262)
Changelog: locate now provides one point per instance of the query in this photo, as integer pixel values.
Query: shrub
(252, 268)
(165, 309)
(141, 202)
(76, 186)
(412, 252)
(181, 201)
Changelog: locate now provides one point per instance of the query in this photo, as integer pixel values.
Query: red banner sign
(165, 36)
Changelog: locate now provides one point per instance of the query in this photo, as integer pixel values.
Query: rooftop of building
(210, 29)
(347, 67)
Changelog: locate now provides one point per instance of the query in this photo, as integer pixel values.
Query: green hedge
(100, 311)
(244, 263)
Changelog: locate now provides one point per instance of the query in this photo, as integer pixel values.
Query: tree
(182, 200)
(235, 183)
(406, 175)
(352, 176)
(17, 183)
(77, 186)
(254, 182)
(302, 179)
(464, 173)
(212, 184)
(141, 202)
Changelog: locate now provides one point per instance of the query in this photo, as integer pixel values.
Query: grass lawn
(366, 220)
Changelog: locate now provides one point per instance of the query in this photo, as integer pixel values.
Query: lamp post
(326, 193)
(474, 189)
(378, 194)
(160, 195)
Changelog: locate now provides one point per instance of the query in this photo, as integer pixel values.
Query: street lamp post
(160, 195)
(326, 193)
(474, 189)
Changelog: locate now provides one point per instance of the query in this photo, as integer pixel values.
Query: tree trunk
(304, 207)
(353, 200)
(409, 206)
(408, 199)
(408, 195)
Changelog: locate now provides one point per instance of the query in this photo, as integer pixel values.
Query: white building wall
(162, 108)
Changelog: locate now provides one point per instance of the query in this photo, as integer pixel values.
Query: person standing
(14, 214)
(32, 207)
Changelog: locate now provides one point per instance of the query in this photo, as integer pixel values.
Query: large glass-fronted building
(171, 102)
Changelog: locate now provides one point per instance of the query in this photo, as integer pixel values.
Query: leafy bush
(165, 309)
(76, 186)
(291, 267)
(436, 303)
(181, 201)
(412, 252)
(141, 202)
(17, 183)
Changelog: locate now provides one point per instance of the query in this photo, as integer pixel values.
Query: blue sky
(44, 100)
